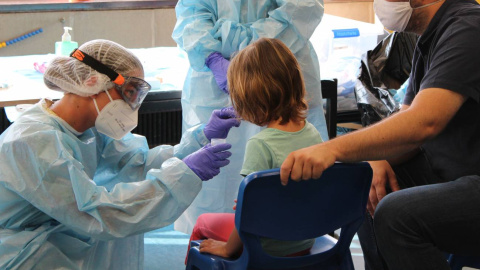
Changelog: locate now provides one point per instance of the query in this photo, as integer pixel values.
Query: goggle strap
(98, 66)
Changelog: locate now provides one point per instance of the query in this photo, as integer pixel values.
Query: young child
(267, 89)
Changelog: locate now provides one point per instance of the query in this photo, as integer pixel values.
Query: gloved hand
(219, 67)
(207, 161)
(220, 123)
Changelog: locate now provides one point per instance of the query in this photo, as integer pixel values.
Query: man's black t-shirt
(447, 56)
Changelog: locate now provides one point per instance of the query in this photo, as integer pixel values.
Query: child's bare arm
(231, 248)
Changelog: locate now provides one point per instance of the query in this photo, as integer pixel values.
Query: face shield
(132, 89)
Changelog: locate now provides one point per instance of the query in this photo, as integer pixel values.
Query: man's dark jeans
(414, 227)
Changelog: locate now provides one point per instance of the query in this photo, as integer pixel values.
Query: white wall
(135, 28)
(131, 28)
(360, 10)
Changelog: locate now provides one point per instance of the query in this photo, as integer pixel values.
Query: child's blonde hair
(266, 83)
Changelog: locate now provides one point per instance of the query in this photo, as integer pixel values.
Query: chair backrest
(301, 210)
(329, 92)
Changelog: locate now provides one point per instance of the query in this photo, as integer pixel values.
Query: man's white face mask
(395, 15)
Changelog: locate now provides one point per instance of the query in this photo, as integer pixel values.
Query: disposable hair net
(70, 75)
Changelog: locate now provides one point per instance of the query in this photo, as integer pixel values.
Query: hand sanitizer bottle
(66, 46)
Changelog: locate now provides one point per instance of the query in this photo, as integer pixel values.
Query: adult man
(434, 140)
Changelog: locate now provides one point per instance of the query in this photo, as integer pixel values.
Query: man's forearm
(389, 139)
(402, 132)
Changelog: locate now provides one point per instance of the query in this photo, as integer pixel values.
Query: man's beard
(418, 22)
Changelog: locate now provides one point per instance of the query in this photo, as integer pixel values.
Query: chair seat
(322, 244)
(209, 261)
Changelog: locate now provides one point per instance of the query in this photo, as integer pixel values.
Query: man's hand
(382, 174)
(307, 163)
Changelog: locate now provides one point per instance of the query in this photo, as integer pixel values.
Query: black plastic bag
(385, 67)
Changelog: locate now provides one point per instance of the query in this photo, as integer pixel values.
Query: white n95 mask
(116, 119)
(395, 15)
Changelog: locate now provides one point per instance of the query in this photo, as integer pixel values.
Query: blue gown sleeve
(130, 157)
(193, 30)
(45, 170)
(293, 22)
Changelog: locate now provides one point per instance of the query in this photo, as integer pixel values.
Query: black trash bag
(385, 67)
(374, 103)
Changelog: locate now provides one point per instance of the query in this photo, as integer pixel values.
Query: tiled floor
(165, 250)
(357, 254)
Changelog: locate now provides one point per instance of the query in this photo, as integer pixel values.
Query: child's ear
(92, 81)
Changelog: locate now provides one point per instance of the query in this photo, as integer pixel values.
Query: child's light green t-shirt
(270, 147)
(267, 150)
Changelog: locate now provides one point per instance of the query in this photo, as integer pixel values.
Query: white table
(165, 69)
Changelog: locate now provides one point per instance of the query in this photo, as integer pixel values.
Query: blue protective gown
(227, 26)
(72, 201)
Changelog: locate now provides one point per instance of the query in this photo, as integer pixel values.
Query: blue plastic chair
(297, 211)
(458, 262)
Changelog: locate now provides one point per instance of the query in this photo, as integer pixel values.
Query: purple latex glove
(220, 123)
(207, 161)
(219, 66)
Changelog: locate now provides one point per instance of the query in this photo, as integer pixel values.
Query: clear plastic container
(216, 141)
(337, 37)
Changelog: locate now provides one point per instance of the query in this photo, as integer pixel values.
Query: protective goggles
(132, 89)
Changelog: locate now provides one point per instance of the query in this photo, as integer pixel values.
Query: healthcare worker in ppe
(77, 189)
(210, 32)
